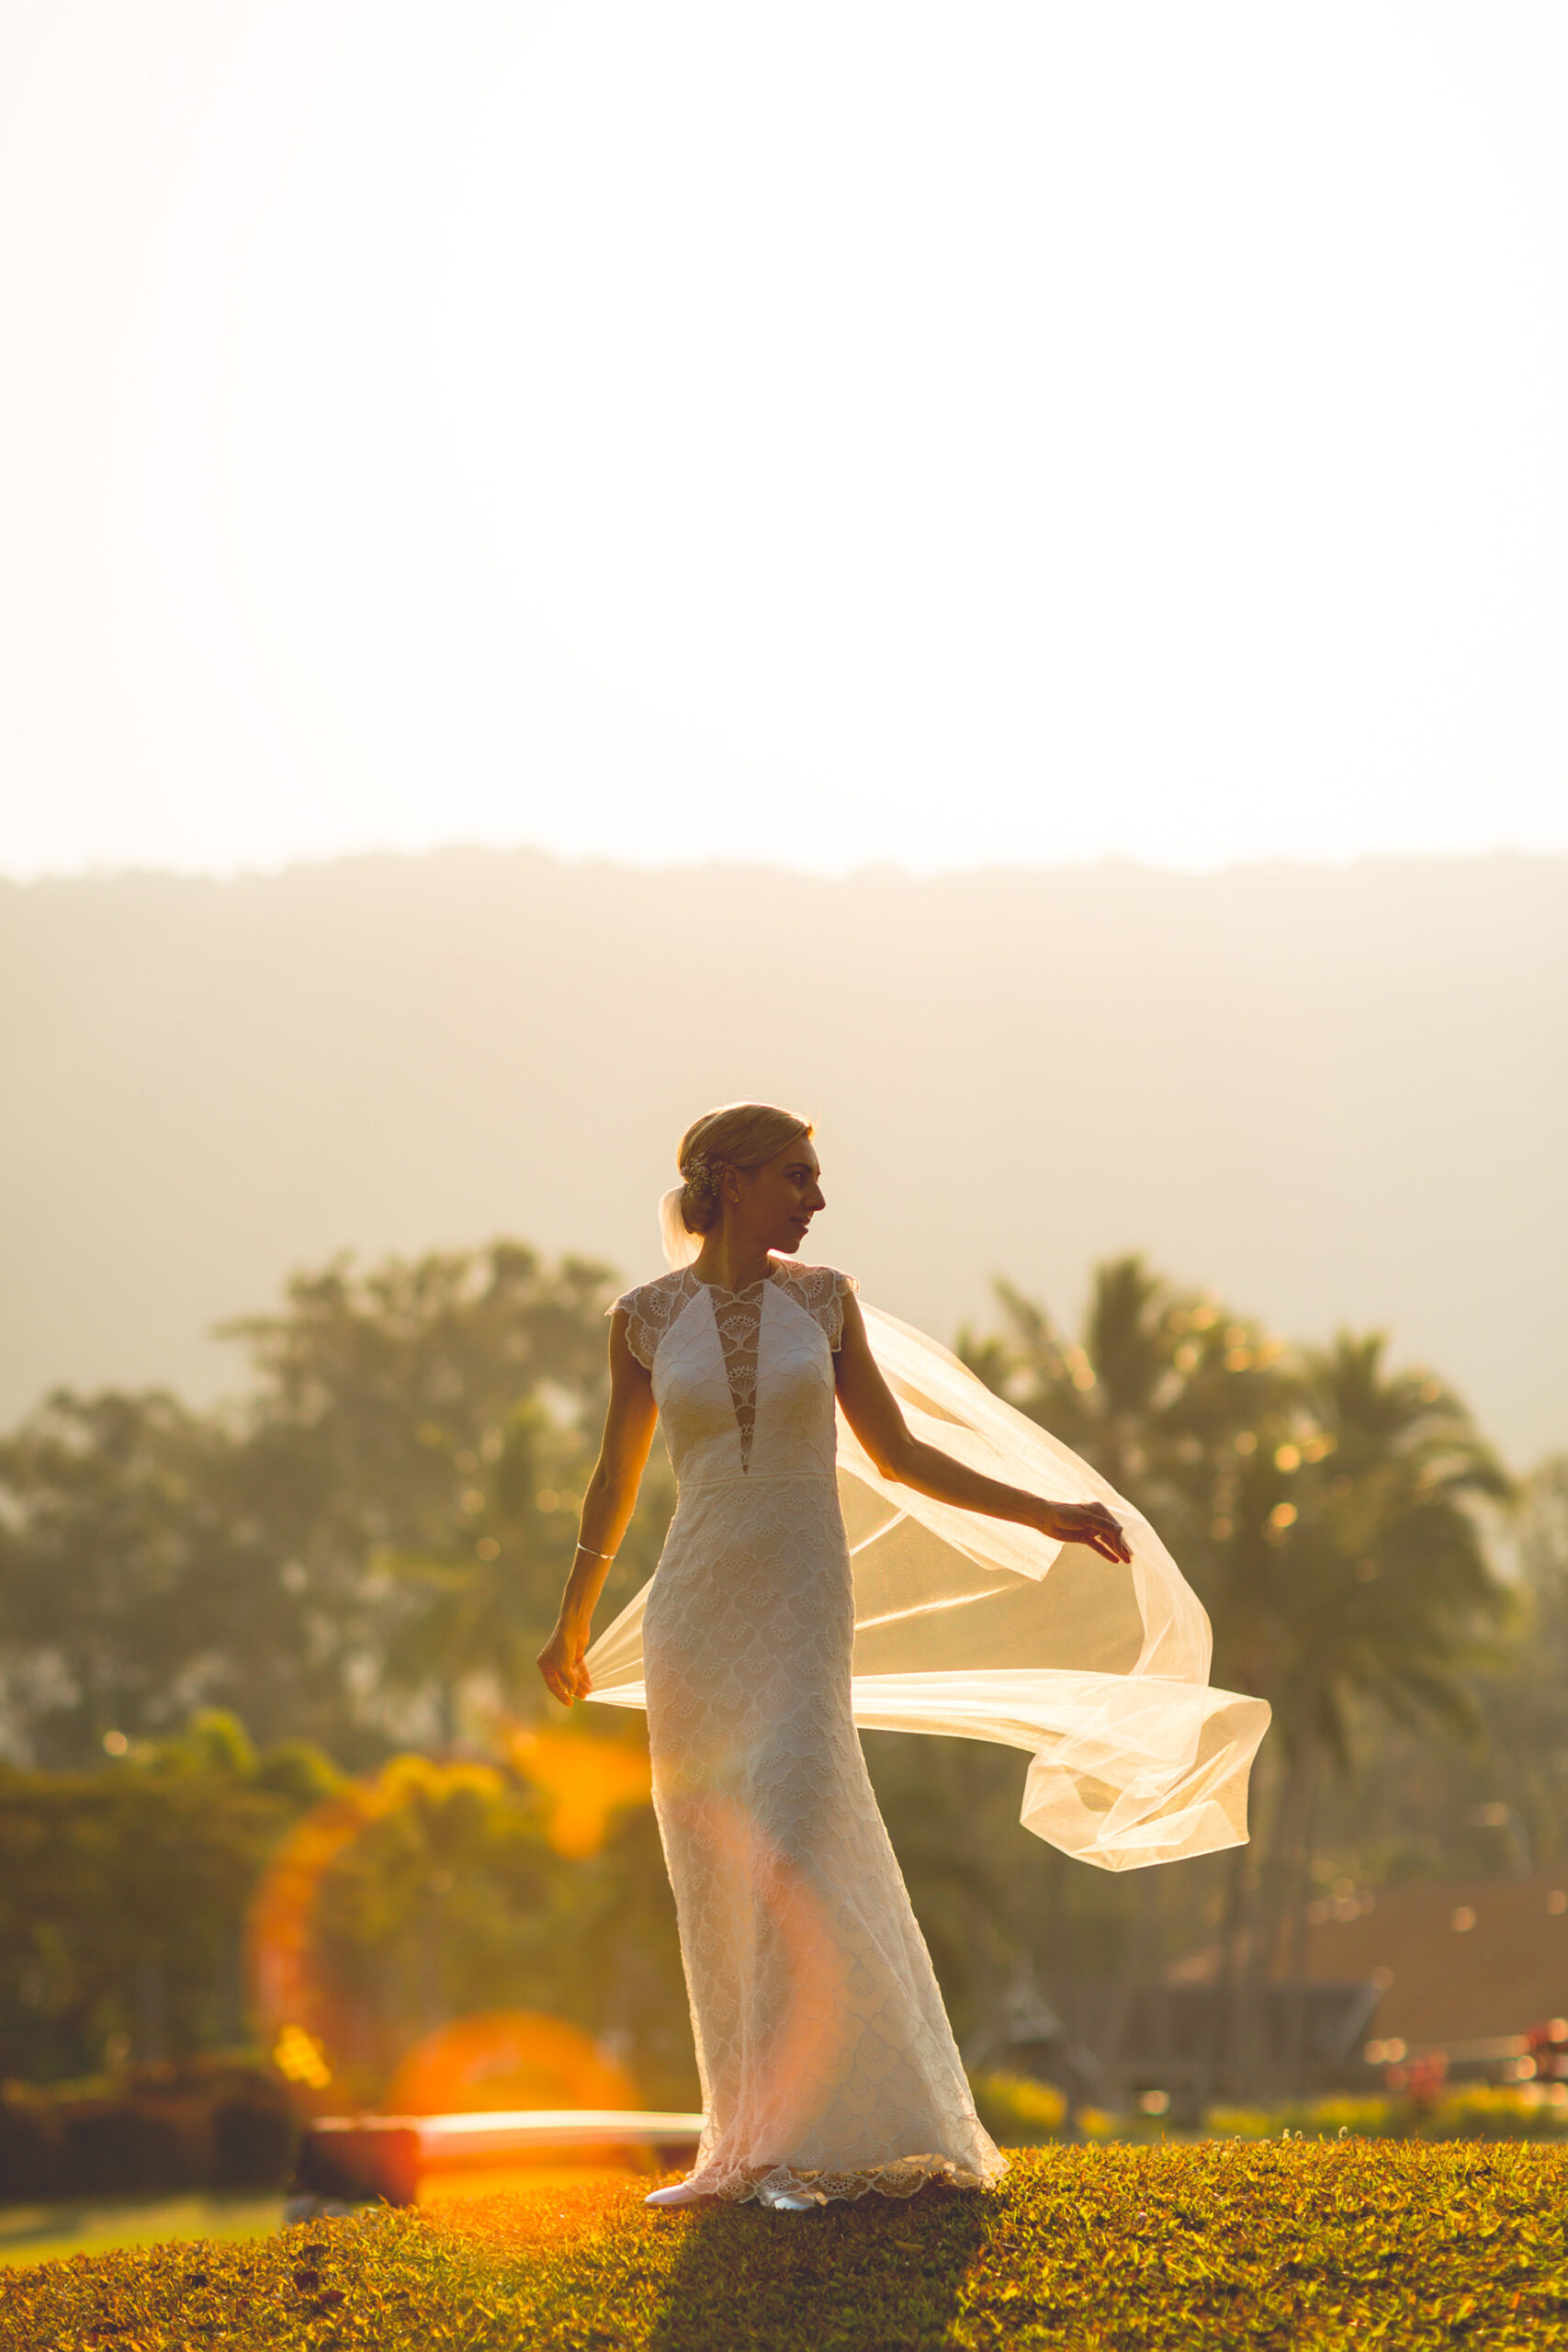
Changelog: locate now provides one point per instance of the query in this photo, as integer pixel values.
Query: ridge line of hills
(1335, 1093)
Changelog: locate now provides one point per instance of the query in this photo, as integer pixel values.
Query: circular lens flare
(507, 2058)
(311, 2024)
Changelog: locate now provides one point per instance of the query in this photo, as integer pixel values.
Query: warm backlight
(503, 2058)
(584, 1782)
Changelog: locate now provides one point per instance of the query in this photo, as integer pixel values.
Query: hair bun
(740, 1135)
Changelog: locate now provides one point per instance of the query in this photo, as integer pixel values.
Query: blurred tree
(138, 1578)
(447, 1901)
(374, 1390)
(951, 1807)
(428, 1892)
(422, 1433)
(369, 1551)
(450, 1899)
(1520, 1780)
(124, 1893)
(389, 1517)
(485, 1594)
(1497, 1801)
(1358, 1569)
(1165, 1392)
(1156, 1393)
(1322, 1507)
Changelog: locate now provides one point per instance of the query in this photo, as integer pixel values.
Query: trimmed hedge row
(123, 1898)
(208, 2128)
(1465, 2111)
(1019, 2112)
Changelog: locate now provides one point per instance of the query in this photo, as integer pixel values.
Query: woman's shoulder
(650, 1308)
(812, 1279)
(822, 1290)
(661, 1286)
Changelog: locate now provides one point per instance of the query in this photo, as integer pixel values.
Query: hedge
(216, 2125)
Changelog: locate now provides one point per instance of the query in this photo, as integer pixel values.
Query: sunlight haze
(938, 436)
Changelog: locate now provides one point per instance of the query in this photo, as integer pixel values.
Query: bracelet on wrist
(594, 1555)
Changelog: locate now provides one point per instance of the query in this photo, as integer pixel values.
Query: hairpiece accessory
(698, 1173)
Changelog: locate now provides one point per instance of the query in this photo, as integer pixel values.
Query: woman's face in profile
(779, 1200)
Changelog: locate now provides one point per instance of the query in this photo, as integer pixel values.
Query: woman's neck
(731, 1262)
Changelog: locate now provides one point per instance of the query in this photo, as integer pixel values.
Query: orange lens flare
(507, 2058)
(294, 2008)
(790, 2078)
(583, 1781)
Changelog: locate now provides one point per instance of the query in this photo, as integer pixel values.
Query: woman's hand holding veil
(872, 1412)
(560, 1663)
(1089, 1525)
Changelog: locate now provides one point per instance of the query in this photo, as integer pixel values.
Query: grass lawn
(1286, 2244)
(92, 2225)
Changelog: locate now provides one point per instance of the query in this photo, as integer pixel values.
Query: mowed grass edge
(1353, 2243)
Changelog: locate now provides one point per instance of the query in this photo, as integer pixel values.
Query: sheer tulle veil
(977, 1627)
(681, 1247)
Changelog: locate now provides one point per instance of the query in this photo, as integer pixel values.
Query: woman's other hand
(1088, 1524)
(560, 1663)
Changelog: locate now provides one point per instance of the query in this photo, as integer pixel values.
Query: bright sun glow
(1051, 429)
(855, 432)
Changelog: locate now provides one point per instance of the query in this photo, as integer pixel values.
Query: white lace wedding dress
(827, 2062)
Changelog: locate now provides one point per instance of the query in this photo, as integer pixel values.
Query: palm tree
(1165, 1394)
(1175, 1400)
(1322, 1506)
(1356, 1571)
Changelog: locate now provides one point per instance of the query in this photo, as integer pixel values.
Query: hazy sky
(874, 431)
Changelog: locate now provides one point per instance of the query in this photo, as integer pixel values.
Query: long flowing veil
(977, 1627)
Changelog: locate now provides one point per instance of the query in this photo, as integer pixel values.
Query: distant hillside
(1334, 1094)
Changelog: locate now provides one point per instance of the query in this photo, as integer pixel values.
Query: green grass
(1300, 2242)
(94, 2225)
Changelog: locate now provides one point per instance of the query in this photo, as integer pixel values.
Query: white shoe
(782, 2203)
(679, 2192)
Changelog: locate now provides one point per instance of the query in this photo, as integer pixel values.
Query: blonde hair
(739, 1135)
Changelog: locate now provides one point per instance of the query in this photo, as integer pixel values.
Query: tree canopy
(361, 1556)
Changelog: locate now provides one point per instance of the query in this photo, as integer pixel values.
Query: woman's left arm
(872, 1411)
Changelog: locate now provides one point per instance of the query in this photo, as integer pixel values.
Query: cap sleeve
(844, 1287)
(822, 1291)
(642, 1337)
(650, 1310)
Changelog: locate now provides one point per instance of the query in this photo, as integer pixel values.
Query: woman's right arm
(607, 1508)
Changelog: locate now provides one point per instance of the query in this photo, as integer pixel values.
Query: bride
(827, 2067)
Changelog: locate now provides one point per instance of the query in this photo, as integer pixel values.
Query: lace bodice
(784, 1300)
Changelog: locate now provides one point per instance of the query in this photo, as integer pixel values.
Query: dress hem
(904, 2177)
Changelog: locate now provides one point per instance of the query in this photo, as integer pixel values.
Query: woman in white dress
(827, 2063)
